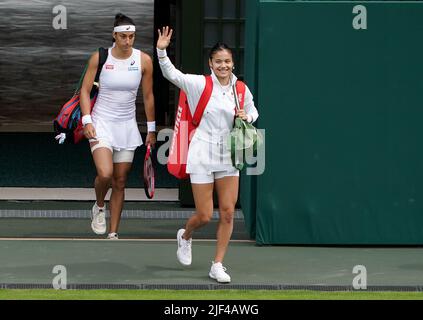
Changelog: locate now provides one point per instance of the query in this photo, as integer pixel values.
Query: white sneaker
(184, 249)
(217, 272)
(98, 222)
(112, 236)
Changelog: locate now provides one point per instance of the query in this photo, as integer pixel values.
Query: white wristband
(151, 126)
(161, 53)
(86, 120)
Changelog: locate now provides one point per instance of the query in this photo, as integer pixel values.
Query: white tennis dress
(208, 151)
(113, 115)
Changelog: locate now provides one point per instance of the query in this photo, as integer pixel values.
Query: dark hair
(121, 20)
(219, 47)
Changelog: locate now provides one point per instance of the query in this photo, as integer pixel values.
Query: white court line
(127, 240)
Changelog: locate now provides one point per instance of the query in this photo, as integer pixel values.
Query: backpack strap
(204, 100)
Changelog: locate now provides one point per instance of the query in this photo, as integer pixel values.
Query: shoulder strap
(204, 100)
(240, 94)
(103, 53)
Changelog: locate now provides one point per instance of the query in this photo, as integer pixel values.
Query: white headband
(127, 28)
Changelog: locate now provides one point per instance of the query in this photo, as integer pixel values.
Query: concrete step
(72, 219)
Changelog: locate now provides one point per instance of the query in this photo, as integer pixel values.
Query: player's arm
(148, 96)
(190, 83)
(85, 100)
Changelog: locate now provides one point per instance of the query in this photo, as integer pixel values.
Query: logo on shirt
(109, 67)
(133, 69)
(133, 62)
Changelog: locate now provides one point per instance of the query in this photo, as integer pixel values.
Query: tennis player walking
(112, 128)
(209, 161)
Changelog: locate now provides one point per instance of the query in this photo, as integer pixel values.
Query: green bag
(244, 139)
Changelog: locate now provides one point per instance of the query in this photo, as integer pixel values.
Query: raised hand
(164, 38)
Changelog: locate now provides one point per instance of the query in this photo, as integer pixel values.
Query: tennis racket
(149, 173)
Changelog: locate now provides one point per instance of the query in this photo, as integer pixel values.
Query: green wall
(342, 110)
(248, 184)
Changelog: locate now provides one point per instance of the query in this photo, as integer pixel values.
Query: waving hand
(164, 38)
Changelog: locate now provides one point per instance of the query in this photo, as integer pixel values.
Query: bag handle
(237, 107)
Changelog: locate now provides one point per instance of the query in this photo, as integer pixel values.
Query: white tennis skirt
(121, 135)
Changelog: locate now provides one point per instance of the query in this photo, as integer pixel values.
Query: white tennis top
(208, 150)
(113, 115)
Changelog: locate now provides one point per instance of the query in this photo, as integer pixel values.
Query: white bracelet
(86, 120)
(161, 53)
(151, 126)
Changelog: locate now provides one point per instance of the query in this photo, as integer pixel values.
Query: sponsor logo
(133, 69)
(133, 62)
(109, 67)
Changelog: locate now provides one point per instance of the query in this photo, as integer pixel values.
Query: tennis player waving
(209, 160)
